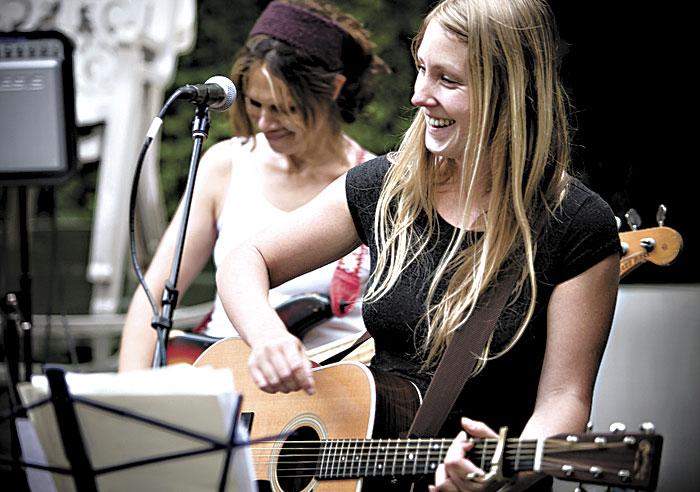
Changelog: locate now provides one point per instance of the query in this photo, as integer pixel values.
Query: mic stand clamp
(163, 322)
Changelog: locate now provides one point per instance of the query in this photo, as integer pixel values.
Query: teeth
(440, 122)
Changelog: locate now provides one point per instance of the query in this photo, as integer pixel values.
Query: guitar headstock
(627, 460)
(660, 245)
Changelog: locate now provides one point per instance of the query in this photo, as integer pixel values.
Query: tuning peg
(618, 428)
(618, 221)
(633, 219)
(661, 215)
(647, 428)
(589, 426)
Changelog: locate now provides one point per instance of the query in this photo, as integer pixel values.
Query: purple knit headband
(318, 36)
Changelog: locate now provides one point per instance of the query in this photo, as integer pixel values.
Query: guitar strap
(458, 361)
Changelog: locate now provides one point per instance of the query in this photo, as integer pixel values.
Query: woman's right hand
(280, 363)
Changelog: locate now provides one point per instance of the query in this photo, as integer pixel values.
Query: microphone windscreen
(229, 90)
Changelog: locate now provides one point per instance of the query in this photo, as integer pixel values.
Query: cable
(150, 135)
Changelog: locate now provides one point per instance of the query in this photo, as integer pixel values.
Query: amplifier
(37, 108)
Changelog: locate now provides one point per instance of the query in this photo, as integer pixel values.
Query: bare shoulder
(214, 174)
(217, 158)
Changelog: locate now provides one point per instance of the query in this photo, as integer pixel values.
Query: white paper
(200, 399)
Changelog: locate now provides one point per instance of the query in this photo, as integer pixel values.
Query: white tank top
(247, 212)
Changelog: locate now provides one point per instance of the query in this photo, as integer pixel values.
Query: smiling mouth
(277, 135)
(440, 122)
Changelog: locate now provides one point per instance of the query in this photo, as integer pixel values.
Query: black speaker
(37, 108)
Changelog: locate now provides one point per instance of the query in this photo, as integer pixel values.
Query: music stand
(72, 436)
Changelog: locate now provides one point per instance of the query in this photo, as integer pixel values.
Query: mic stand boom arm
(163, 322)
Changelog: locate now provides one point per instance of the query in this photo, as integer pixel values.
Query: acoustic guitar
(658, 245)
(345, 436)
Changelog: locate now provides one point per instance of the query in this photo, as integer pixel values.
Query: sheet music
(200, 399)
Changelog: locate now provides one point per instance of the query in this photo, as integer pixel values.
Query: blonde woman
(306, 69)
(482, 164)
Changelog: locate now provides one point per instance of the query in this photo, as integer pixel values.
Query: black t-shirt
(583, 233)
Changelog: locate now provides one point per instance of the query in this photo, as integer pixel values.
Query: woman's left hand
(452, 474)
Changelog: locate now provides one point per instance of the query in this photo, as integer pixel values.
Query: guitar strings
(296, 459)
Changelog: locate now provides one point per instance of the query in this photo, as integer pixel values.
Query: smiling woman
(442, 92)
(476, 204)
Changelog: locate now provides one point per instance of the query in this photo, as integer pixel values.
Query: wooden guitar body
(353, 403)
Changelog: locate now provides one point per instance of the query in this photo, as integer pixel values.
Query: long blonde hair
(518, 128)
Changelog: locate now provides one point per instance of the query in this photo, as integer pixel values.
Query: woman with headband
(306, 69)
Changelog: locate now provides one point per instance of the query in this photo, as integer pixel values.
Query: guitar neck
(630, 460)
(359, 458)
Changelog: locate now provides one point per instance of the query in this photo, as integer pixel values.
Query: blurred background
(625, 68)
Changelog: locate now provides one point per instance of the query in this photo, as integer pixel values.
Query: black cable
(134, 191)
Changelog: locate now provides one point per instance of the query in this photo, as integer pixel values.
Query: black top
(504, 393)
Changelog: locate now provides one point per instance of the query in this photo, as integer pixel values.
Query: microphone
(218, 92)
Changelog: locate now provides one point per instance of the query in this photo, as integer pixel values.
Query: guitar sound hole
(298, 459)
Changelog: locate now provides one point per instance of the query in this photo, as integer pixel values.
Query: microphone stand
(163, 322)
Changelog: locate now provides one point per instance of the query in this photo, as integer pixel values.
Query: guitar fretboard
(357, 458)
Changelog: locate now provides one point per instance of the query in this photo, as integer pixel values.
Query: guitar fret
(348, 459)
(340, 461)
(347, 462)
(413, 456)
(525, 455)
(483, 454)
(393, 461)
(354, 458)
(423, 457)
(327, 459)
(367, 457)
(336, 460)
(416, 456)
(376, 458)
(405, 455)
(427, 456)
(433, 462)
(384, 453)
